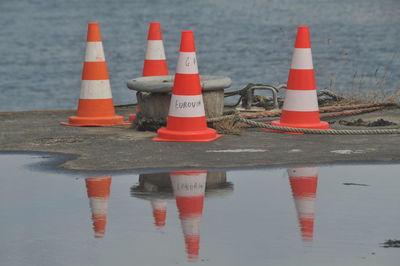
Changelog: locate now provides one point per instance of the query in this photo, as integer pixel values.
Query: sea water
(355, 44)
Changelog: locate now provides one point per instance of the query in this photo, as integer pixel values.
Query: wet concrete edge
(52, 162)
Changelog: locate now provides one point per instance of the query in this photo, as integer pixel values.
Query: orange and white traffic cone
(159, 207)
(96, 106)
(300, 107)
(155, 62)
(303, 181)
(98, 190)
(186, 118)
(189, 190)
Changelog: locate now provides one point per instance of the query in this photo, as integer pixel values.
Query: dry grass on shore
(360, 96)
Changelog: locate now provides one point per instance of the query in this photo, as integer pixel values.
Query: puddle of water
(310, 215)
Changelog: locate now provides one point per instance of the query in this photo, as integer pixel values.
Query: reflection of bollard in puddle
(98, 191)
(188, 188)
(159, 185)
(303, 181)
(157, 188)
(154, 96)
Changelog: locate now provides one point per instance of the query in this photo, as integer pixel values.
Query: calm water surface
(303, 215)
(355, 43)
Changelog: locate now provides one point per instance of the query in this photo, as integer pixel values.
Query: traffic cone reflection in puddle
(98, 191)
(95, 106)
(303, 182)
(186, 117)
(155, 62)
(189, 190)
(300, 108)
(159, 207)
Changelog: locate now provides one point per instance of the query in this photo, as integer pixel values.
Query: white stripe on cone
(159, 204)
(98, 206)
(302, 172)
(300, 100)
(187, 63)
(189, 185)
(94, 52)
(305, 207)
(302, 59)
(191, 226)
(155, 50)
(186, 106)
(95, 89)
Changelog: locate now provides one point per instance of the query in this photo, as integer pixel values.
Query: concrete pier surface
(123, 148)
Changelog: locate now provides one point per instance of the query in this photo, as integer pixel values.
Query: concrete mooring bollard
(154, 96)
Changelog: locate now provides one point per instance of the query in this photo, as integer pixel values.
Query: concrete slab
(122, 148)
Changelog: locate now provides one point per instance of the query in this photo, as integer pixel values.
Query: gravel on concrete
(123, 148)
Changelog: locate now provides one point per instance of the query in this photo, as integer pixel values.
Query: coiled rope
(237, 118)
